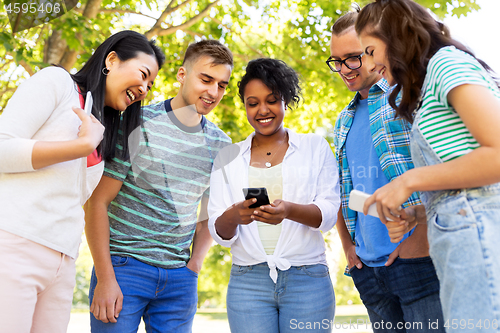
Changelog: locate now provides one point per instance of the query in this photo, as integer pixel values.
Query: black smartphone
(257, 192)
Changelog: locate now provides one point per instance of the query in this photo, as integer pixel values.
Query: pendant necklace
(268, 162)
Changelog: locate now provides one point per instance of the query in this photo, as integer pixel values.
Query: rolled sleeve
(218, 202)
(327, 198)
(17, 155)
(217, 238)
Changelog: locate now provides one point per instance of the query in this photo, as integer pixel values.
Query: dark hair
(281, 79)
(127, 44)
(412, 36)
(220, 54)
(346, 21)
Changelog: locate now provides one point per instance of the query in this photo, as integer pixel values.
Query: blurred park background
(296, 31)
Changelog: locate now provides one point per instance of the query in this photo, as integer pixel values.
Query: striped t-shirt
(153, 217)
(439, 123)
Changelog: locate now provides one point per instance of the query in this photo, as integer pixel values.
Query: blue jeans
(463, 229)
(403, 297)
(302, 300)
(463, 238)
(165, 298)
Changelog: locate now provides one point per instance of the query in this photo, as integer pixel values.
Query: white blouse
(310, 176)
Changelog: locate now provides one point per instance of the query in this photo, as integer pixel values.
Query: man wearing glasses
(396, 281)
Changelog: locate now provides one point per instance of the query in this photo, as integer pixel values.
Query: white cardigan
(310, 175)
(45, 205)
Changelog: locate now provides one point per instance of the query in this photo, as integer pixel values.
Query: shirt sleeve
(220, 195)
(450, 68)
(327, 188)
(27, 111)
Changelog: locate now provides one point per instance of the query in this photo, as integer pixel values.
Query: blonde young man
(142, 218)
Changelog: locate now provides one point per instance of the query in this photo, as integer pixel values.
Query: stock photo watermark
(361, 324)
(26, 14)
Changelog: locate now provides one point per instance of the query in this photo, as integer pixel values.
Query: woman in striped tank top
(454, 105)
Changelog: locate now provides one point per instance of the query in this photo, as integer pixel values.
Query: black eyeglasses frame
(343, 62)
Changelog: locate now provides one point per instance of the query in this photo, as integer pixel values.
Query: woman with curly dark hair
(454, 104)
(279, 280)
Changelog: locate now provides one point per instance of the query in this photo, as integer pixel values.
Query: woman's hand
(389, 200)
(271, 214)
(237, 214)
(46, 153)
(91, 131)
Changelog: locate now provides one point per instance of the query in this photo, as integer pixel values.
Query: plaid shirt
(391, 138)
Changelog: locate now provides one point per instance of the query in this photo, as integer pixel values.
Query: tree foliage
(296, 31)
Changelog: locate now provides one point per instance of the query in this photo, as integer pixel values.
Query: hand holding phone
(357, 201)
(256, 192)
(89, 101)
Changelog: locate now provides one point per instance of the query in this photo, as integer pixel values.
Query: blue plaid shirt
(391, 138)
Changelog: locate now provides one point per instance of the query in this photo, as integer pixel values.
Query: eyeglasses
(350, 62)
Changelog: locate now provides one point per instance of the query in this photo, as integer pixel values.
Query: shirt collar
(380, 85)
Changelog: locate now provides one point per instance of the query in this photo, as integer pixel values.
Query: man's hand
(194, 266)
(415, 246)
(397, 230)
(107, 302)
(352, 257)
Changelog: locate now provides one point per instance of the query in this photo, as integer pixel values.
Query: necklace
(268, 162)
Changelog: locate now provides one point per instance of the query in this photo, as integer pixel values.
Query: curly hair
(281, 79)
(412, 36)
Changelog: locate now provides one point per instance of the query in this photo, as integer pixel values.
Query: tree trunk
(69, 57)
(55, 48)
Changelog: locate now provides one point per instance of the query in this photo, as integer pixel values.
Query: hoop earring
(105, 71)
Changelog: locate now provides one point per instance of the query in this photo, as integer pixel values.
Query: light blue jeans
(165, 298)
(463, 233)
(302, 300)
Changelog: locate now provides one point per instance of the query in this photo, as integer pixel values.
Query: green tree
(345, 291)
(214, 277)
(296, 31)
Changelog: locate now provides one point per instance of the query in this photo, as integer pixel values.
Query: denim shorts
(464, 226)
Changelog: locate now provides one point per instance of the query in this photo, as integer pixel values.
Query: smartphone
(256, 192)
(357, 201)
(88, 103)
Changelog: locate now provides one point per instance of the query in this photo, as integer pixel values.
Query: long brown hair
(412, 36)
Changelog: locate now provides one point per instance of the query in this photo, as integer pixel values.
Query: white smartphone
(88, 103)
(357, 201)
